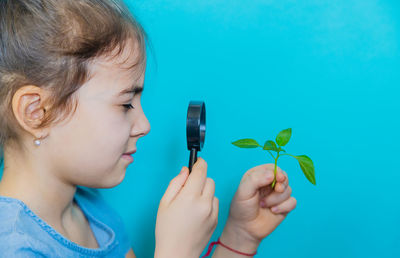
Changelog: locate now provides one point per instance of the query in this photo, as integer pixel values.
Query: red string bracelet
(219, 242)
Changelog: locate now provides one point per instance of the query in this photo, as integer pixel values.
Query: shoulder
(10, 210)
(14, 242)
(15, 217)
(19, 244)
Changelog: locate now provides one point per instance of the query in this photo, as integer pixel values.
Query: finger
(197, 178)
(285, 207)
(276, 198)
(215, 210)
(175, 186)
(286, 179)
(279, 187)
(265, 190)
(209, 189)
(280, 176)
(253, 180)
(282, 182)
(272, 167)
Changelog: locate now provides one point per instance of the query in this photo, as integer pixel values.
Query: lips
(129, 153)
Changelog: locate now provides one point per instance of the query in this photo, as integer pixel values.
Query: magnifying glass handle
(193, 158)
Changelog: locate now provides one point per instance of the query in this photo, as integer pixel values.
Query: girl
(71, 78)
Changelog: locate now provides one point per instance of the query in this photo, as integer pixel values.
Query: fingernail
(274, 209)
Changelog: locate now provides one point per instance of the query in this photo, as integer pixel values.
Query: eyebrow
(135, 88)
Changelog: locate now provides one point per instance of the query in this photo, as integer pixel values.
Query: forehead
(120, 66)
(127, 56)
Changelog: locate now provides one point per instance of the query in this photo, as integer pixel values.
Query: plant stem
(276, 162)
(288, 155)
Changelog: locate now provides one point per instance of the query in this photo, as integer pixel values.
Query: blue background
(330, 70)
(327, 69)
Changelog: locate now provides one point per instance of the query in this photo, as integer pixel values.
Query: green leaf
(307, 166)
(246, 143)
(270, 145)
(283, 137)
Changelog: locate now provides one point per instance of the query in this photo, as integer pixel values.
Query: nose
(141, 125)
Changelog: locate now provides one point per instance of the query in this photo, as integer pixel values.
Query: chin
(108, 181)
(112, 182)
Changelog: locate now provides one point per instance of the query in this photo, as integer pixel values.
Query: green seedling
(282, 139)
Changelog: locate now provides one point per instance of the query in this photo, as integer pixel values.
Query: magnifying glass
(195, 129)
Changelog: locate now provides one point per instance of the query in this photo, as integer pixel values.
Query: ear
(27, 105)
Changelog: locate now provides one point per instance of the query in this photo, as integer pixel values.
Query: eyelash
(128, 106)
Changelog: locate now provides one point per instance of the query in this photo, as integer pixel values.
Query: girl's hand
(252, 213)
(187, 215)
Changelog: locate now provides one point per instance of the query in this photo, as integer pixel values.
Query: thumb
(175, 185)
(253, 181)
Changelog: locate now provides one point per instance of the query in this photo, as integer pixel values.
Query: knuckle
(289, 189)
(252, 179)
(270, 166)
(270, 172)
(210, 181)
(262, 176)
(173, 180)
(246, 175)
(205, 209)
(171, 183)
(294, 202)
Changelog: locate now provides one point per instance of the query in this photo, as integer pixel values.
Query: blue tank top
(24, 234)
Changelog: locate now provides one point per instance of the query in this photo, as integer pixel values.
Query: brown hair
(49, 43)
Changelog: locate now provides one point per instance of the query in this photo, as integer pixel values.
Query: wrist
(236, 238)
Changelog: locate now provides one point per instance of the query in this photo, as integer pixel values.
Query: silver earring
(37, 142)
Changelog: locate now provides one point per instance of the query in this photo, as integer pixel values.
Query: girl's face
(87, 150)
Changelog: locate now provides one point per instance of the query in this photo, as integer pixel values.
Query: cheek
(92, 142)
(106, 134)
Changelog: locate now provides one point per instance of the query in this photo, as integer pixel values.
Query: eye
(128, 106)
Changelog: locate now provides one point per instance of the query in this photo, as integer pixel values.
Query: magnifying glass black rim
(196, 125)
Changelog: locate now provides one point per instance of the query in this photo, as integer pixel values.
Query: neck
(46, 195)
